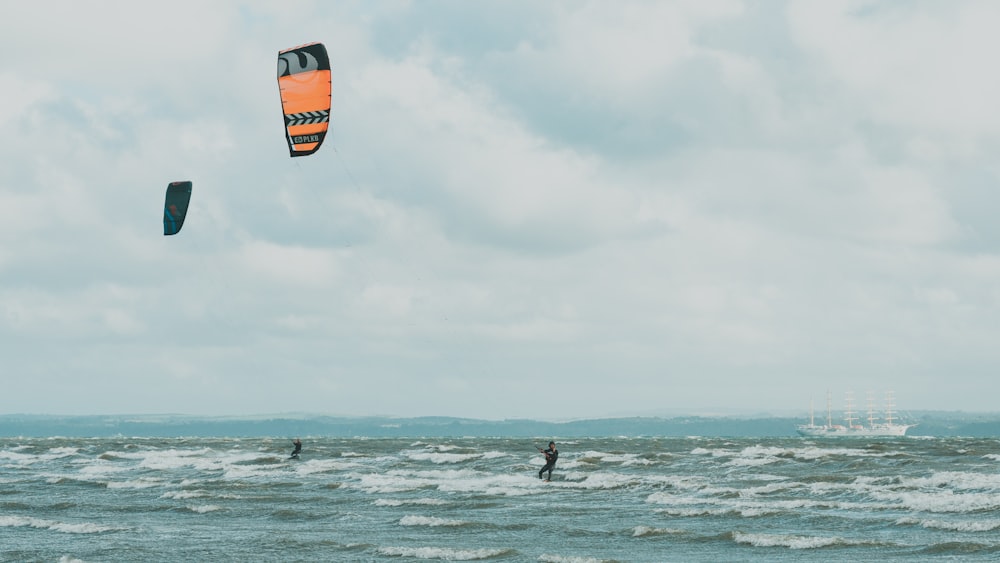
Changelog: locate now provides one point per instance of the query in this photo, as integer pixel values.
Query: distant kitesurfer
(551, 455)
(298, 448)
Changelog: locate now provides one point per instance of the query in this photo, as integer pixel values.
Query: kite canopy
(175, 207)
(304, 83)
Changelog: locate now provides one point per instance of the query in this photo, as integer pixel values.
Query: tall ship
(854, 425)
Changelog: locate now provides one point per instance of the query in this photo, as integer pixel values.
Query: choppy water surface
(439, 499)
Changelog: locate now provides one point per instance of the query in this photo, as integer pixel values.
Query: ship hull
(844, 432)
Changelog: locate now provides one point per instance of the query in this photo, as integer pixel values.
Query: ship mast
(849, 412)
(871, 409)
(888, 407)
(829, 416)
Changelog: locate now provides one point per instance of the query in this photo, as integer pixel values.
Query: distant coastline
(931, 423)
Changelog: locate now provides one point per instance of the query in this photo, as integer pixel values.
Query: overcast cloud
(549, 210)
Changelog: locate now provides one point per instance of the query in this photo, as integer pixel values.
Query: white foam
(442, 458)
(429, 521)
(940, 501)
(443, 553)
(956, 480)
(184, 495)
(69, 559)
(602, 480)
(748, 492)
(101, 468)
(140, 483)
(205, 508)
(19, 458)
(65, 527)
(314, 466)
(751, 461)
(624, 459)
(549, 558)
(447, 480)
(956, 526)
(789, 541)
(643, 531)
(415, 501)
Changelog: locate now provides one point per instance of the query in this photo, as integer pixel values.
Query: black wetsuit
(298, 448)
(551, 455)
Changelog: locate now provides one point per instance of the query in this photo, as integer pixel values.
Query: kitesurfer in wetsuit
(551, 455)
(298, 447)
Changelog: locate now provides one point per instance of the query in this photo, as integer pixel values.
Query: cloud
(635, 206)
(923, 66)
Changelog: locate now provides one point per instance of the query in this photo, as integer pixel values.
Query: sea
(480, 499)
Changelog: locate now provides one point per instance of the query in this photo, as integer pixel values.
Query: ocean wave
(314, 466)
(644, 531)
(405, 502)
(768, 489)
(592, 456)
(140, 483)
(955, 480)
(549, 558)
(430, 521)
(205, 508)
(445, 553)
(789, 541)
(184, 495)
(65, 527)
(696, 512)
(751, 461)
(963, 549)
(940, 501)
(399, 480)
(601, 480)
(491, 484)
(954, 526)
(440, 458)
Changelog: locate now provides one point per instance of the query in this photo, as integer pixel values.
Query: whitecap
(643, 531)
(956, 480)
(444, 553)
(202, 509)
(439, 458)
(314, 466)
(404, 502)
(549, 558)
(141, 483)
(65, 527)
(184, 495)
(954, 526)
(940, 501)
(431, 521)
(789, 541)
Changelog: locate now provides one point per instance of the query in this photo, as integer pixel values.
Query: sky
(546, 210)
